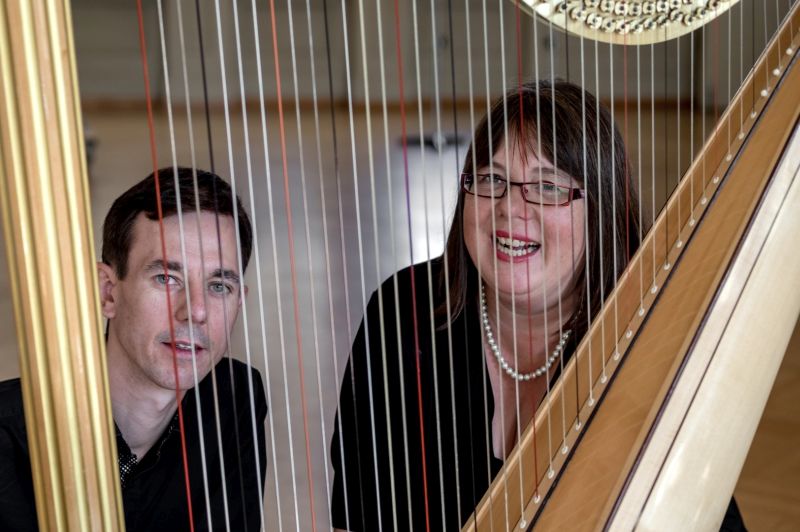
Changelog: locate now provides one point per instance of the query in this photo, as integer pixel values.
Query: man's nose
(191, 304)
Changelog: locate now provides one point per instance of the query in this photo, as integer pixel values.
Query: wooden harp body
(665, 412)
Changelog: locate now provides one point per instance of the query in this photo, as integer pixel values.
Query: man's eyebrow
(159, 265)
(226, 274)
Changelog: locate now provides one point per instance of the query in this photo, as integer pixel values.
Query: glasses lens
(489, 185)
(546, 193)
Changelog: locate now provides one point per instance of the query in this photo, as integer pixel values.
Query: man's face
(204, 290)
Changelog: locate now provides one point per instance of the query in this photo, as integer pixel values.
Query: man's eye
(165, 279)
(220, 288)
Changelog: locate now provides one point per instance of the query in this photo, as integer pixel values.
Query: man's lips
(183, 347)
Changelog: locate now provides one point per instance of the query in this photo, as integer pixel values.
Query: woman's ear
(107, 278)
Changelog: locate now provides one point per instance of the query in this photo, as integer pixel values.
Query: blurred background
(361, 205)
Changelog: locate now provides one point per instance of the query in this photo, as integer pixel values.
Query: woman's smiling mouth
(510, 248)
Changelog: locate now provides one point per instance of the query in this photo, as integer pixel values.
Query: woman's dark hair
(213, 194)
(550, 116)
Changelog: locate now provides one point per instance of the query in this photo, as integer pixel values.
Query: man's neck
(141, 413)
(142, 420)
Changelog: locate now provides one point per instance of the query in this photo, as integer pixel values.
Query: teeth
(185, 347)
(514, 243)
(514, 247)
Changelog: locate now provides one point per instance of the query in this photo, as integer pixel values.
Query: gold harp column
(48, 233)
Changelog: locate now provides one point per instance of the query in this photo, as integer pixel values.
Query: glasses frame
(574, 193)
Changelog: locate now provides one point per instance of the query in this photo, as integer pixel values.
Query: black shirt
(154, 489)
(456, 419)
(376, 450)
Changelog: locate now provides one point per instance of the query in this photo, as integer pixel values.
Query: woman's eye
(490, 179)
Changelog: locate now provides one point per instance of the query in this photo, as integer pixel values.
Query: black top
(381, 483)
(373, 413)
(154, 489)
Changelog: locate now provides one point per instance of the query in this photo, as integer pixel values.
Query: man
(171, 291)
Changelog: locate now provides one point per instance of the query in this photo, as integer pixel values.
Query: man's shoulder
(11, 400)
(232, 368)
(236, 379)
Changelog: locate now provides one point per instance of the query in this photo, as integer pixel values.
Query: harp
(681, 336)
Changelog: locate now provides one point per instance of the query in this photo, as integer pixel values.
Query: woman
(451, 362)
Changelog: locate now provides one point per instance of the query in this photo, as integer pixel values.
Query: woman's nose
(514, 202)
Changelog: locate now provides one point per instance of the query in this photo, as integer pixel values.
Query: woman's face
(533, 253)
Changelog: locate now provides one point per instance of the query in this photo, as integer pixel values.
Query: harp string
(639, 157)
(599, 156)
(741, 66)
(438, 120)
(507, 199)
(248, 160)
(535, 25)
(653, 158)
(310, 259)
(325, 237)
(703, 108)
(154, 157)
(442, 181)
(337, 175)
(183, 251)
(257, 259)
(376, 250)
(293, 269)
(585, 228)
(691, 129)
(679, 135)
(487, 78)
(445, 259)
(393, 241)
(219, 245)
(472, 99)
(401, 87)
(529, 346)
(434, 355)
(572, 257)
(225, 310)
(545, 251)
(360, 239)
(181, 40)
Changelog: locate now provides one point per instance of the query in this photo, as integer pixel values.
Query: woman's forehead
(507, 156)
(508, 152)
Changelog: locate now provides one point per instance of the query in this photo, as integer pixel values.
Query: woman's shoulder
(417, 279)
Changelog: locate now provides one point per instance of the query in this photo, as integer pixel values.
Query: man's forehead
(201, 237)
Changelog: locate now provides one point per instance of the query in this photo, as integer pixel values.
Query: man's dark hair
(207, 193)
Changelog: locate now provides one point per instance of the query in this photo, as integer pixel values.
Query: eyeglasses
(536, 192)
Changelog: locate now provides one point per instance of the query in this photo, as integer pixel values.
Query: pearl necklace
(514, 374)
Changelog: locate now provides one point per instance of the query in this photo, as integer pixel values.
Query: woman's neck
(532, 333)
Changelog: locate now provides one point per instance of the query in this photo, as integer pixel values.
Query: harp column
(47, 228)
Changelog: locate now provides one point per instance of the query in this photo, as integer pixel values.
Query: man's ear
(107, 278)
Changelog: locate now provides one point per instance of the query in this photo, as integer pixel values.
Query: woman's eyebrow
(494, 165)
